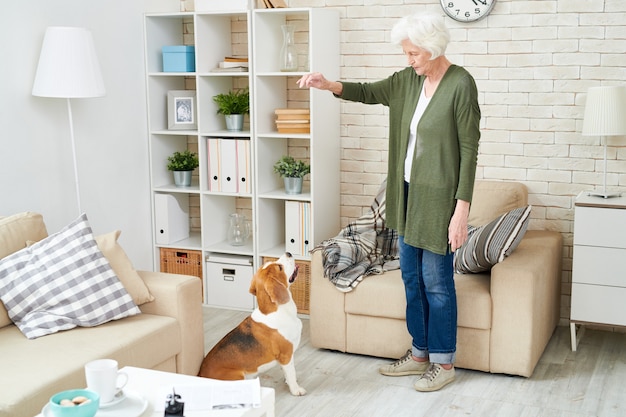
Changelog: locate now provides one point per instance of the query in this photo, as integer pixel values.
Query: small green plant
(182, 161)
(233, 102)
(288, 167)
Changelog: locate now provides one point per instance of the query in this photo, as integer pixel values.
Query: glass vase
(288, 56)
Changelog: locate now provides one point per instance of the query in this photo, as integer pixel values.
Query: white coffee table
(146, 384)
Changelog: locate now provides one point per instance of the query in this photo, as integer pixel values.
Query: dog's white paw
(297, 391)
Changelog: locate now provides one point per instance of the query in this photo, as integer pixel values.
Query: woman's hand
(457, 230)
(317, 80)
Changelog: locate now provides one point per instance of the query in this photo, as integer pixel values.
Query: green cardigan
(446, 151)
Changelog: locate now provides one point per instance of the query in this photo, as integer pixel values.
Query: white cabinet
(599, 263)
(255, 33)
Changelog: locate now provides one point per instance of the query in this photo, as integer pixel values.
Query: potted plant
(293, 172)
(233, 105)
(182, 165)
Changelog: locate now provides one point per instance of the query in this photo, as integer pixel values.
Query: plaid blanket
(364, 247)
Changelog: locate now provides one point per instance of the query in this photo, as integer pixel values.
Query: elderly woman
(433, 145)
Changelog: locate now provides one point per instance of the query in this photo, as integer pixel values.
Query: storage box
(181, 261)
(301, 288)
(228, 280)
(179, 58)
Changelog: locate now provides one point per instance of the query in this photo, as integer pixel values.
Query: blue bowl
(86, 409)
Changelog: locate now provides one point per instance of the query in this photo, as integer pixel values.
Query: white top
(410, 151)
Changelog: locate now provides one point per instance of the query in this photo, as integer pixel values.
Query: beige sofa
(505, 317)
(167, 335)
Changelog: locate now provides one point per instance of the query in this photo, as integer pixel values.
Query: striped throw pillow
(489, 244)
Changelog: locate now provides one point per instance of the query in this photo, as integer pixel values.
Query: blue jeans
(431, 311)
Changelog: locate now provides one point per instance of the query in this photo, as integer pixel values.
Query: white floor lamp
(605, 115)
(68, 68)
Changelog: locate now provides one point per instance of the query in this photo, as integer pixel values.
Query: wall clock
(467, 10)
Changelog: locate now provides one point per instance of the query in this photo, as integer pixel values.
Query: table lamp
(605, 115)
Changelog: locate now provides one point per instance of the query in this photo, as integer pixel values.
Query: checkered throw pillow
(61, 282)
(489, 244)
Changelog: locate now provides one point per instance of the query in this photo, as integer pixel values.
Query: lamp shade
(68, 65)
(605, 111)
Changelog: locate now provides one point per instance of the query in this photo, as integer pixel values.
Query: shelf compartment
(216, 210)
(163, 30)
(161, 147)
(226, 33)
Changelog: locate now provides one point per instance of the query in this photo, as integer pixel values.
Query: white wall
(36, 169)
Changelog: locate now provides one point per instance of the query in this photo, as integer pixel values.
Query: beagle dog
(270, 335)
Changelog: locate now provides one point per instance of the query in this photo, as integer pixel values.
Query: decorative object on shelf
(293, 172)
(467, 11)
(293, 120)
(288, 55)
(233, 105)
(68, 68)
(604, 116)
(179, 58)
(239, 230)
(182, 165)
(181, 110)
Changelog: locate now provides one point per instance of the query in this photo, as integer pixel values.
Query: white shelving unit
(256, 33)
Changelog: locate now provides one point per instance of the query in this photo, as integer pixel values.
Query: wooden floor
(588, 382)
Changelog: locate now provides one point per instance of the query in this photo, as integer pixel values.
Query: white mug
(103, 377)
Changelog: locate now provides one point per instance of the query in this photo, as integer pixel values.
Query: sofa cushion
(15, 230)
(489, 244)
(19, 228)
(494, 198)
(61, 282)
(378, 295)
(123, 267)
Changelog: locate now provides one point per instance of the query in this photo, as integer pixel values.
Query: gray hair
(427, 31)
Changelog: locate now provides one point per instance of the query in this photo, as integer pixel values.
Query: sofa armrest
(180, 297)
(525, 292)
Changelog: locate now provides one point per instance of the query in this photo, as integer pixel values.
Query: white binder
(292, 227)
(306, 227)
(243, 166)
(213, 151)
(171, 218)
(228, 172)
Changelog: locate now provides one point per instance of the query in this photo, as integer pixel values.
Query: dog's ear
(275, 285)
(254, 282)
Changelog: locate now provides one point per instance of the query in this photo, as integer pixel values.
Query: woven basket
(300, 289)
(181, 261)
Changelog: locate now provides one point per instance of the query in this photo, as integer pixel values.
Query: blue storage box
(179, 58)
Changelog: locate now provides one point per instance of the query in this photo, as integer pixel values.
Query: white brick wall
(533, 62)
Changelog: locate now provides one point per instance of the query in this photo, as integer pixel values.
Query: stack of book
(232, 64)
(293, 120)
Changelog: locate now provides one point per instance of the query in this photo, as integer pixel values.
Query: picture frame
(181, 110)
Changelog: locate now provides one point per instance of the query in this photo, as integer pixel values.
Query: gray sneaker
(434, 379)
(404, 366)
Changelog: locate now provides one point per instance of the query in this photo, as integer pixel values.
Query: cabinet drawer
(595, 265)
(598, 304)
(595, 226)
